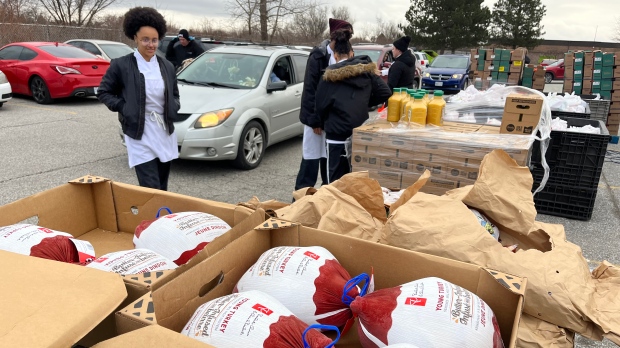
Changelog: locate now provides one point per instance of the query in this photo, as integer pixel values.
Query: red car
(554, 71)
(51, 70)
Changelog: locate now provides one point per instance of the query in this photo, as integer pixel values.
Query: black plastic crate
(585, 177)
(575, 150)
(570, 114)
(566, 201)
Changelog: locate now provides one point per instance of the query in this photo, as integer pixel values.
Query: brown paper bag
(561, 290)
(535, 333)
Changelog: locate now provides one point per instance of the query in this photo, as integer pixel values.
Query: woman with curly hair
(143, 90)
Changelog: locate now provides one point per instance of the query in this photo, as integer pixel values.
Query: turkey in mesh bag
(253, 319)
(179, 236)
(45, 243)
(134, 261)
(307, 280)
(429, 312)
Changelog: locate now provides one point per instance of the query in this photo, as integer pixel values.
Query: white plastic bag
(308, 281)
(251, 319)
(134, 261)
(179, 236)
(43, 242)
(429, 312)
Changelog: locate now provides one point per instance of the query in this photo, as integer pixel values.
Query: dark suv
(206, 43)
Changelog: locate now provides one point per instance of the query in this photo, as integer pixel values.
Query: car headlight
(3, 78)
(427, 74)
(213, 118)
(457, 76)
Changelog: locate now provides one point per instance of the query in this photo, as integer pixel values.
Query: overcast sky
(565, 19)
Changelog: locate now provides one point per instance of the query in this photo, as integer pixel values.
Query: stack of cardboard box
(491, 66)
(453, 154)
(610, 89)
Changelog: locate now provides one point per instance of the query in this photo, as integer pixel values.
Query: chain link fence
(10, 32)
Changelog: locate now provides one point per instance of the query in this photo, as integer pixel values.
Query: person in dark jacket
(143, 90)
(343, 96)
(402, 71)
(313, 157)
(188, 48)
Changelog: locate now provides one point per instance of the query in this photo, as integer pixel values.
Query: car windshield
(225, 70)
(559, 62)
(373, 54)
(450, 62)
(115, 51)
(67, 52)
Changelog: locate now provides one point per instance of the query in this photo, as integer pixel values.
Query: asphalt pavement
(47, 145)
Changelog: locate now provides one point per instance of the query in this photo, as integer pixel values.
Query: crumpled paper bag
(269, 206)
(535, 333)
(351, 206)
(561, 290)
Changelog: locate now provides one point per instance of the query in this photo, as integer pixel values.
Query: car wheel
(40, 92)
(548, 77)
(1, 104)
(465, 84)
(251, 147)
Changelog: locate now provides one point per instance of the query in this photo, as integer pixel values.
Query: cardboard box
(578, 74)
(606, 95)
(609, 59)
(389, 179)
(106, 213)
(174, 303)
(438, 170)
(516, 66)
(396, 164)
(482, 54)
(153, 336)
(568, 86)
(518, 54)
(513, 78)
(615, 96)
(53, 304)
(488, 130)
(617, 71)
(598, 59)
(616, 85)
(474, 53)
(488, 66)
(458, 173)
(474, 64)
(614, 108)
(366, 160)
(587, 73)
(539, 85)
(490, 55)
(397, 141)
(367, 135)
(579, 58)
(433, 146)
(597, 74)
(607, 72)
(588, 58)
(606, 85)
(521, 114)
(503, 67)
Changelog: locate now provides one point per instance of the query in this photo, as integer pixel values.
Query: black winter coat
(402, 71)
(123, 90)
(318, 61)
(177, 53)
(345, 93)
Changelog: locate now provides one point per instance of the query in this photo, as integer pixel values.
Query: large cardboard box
(588, 73)
(153, 336)
(174, 303)
(516, 66)
(609, 59)
(518, 54)
(521, 114)
(47, 303)
(106, 213)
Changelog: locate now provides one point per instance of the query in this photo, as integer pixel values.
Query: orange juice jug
(407, 110)
(406, 99)
(395, 106)
(436, 109)
(417, 110)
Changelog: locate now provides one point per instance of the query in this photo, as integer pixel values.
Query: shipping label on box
(430, 146)
(597, 74)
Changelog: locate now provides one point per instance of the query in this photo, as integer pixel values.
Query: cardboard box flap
(152, 337)
(142, 309)
(509, 281)
(147, 277)
(89, 179)
(52, 304)
(274, 224)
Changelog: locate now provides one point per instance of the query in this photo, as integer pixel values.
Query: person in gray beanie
(187, 48)
(402, 72)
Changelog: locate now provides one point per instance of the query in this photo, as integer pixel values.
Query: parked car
(448, 72)
(546, 62)
(51, 70)
(231, 109)
(431, 55)
(107, 50)
(5, 89)
(380, 54)
(554, 71)
(207, 44)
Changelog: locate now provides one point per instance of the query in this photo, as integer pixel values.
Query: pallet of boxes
(533, 77)
(452, 153)
(491, 66)
(592, 73)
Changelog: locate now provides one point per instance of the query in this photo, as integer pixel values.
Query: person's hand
(175, 40)
(317, 130)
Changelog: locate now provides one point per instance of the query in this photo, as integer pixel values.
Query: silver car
(238, 100)
(107, 50)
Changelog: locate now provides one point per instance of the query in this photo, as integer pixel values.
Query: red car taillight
(63, 70)
(422, 62)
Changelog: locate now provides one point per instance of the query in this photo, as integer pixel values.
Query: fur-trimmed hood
(349, 71)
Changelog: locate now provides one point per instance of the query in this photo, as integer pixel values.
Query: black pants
(309, 171)
(153, 174)
(338, 161)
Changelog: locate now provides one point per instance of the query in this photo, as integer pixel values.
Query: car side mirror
(276, 86)
(427, 65)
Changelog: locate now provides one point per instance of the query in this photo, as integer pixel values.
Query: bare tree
(246, 11)
(389, 29)
(311, 25)
(15, 10)
(343, 13)
(75, 12)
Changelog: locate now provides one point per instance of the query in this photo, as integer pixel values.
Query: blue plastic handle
(346, 299)
(324, 328)
(160, 209)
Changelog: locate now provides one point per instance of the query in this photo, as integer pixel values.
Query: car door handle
(297, 93)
